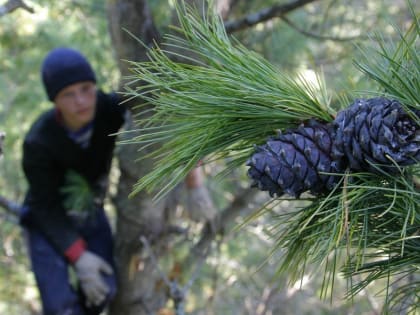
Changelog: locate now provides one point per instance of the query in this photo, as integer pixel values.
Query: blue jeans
(51, 269)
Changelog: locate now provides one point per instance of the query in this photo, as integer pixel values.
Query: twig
(13, 5)
(10, 206)
(267, 294)
(241, 203)
(176, 292)
(148, 248)
(264, 15)
(200, 250)
(319, 36)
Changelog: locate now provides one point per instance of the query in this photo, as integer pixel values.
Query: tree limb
(238, 205)
(13, 5)
(268, 293)
(264, 15)
(319, 36)
(10, 206)
(201, 249)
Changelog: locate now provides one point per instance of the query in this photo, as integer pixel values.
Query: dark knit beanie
(63, 67)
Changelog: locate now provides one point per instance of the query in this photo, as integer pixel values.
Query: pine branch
(225, 98)
(230, 99)
(266, 14)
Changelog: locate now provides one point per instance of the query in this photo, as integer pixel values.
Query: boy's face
(77, 104)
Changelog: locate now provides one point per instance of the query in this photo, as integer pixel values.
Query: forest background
(231, 277)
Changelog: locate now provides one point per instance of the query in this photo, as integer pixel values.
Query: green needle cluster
(217, 102)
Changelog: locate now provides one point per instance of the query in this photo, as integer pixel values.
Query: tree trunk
(142, 289)
(139, 289)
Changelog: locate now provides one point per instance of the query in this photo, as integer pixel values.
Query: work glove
(89, 268)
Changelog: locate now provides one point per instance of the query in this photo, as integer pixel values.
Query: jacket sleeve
(46, 211)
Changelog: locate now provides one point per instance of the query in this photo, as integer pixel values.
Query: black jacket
(48, 154)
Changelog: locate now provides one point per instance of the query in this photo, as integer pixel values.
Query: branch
(201, 250)
(10, 206)
(267, 295)
(319, 36)
(13, 5)
(238, 205)
(264, 15)
(176, 292)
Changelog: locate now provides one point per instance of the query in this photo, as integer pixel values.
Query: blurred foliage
(238, 286)
(342, 24)
(79, 196)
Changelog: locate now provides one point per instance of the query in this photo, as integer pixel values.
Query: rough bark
(138, 216)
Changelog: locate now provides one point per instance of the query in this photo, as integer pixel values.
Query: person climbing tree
(67, 155)
(71, 139)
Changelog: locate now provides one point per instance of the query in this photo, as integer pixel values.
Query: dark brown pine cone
(376, 134)
(296, 161)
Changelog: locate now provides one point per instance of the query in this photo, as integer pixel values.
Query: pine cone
(295, 162)
(374, 134)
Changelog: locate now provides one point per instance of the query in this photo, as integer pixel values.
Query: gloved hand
(89, 268)
(199, 204)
